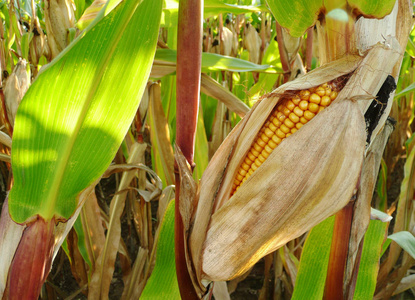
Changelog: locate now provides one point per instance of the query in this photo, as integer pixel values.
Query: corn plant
(270, 145)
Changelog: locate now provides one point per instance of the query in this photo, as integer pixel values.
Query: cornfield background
(112, 246)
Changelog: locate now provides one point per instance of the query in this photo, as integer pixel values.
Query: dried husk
(38, 46)
(309, 177)
(252, 43)
(59, 17)
(15, 88)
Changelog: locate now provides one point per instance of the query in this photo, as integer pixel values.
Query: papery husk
(252, 43)
(59, 17)
(15, 88)
(306, 179)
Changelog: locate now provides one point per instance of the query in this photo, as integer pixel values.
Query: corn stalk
(189, 49)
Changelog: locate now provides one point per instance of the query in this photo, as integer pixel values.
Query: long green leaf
(163, 281)
(215, 7)
(212, 8)
(406, 91)
(312, 272)
(369, 263)
(75, 115)
(216, 62)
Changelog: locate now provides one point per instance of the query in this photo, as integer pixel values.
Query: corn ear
(252, 43)
(59, 17)
(307, 178)
(16, 86)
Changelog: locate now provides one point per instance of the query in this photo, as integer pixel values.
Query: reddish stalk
(189, 60)
(35, 251)
(338, 253)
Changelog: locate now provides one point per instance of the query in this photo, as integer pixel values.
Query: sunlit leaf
(75, 115)
(369, 263)
(216, 62)
(297, 16)
(312, 271)
(163, 281)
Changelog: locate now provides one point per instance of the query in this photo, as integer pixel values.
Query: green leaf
(266, 82)
(406, 91)
(406, 240)
(295, 15)
(372, 8)
(215, 7)
(75, 115)
(312, 272)
(216, 62)
(381, 186)
(369, 263)
(299, 15)
(201, 156)
(211, 8)
(162, 283)
(81, 241)
(25, 41)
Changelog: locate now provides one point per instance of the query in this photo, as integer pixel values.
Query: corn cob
(286, 118)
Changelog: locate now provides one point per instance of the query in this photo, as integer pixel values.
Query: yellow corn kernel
(276, 122)
(286, 111)
(290, 105)
(294, 118)
(321, 91)
(286, 119)
(261, 142)
(325, 101)
(313, 107)
(303, 105)
(314, 98)
(298, 111)
(280, 134)
(288, 123)
(309, 115)
(284, 128)
(305, 94)
(296, 99)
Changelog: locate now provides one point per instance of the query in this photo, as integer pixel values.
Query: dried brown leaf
(78, 266)
(160, 135)
(92, 224)
(101, 278)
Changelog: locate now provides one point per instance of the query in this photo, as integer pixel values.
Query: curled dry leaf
(306, 179)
